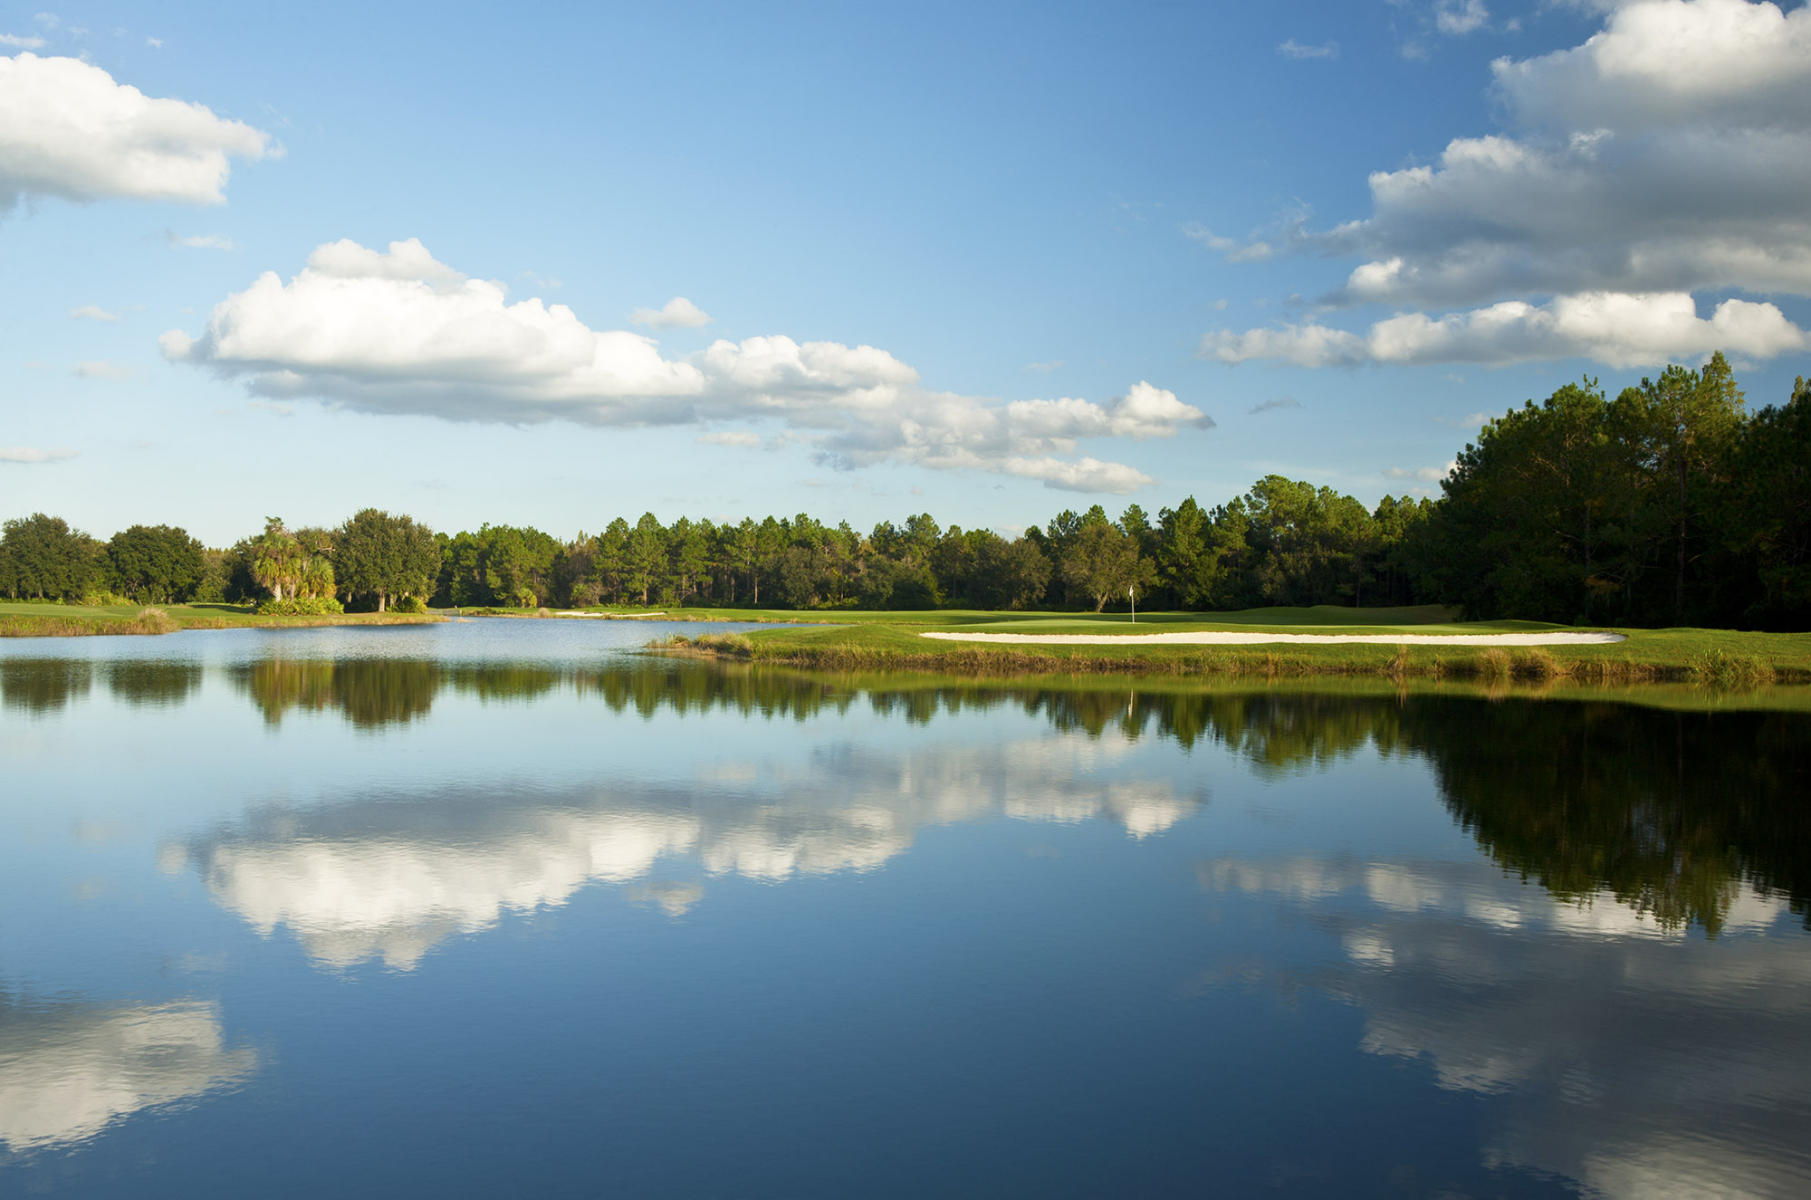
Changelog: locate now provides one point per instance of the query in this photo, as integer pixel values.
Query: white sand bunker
(1230, 638)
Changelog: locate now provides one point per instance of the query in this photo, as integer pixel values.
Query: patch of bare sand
(1215, 637)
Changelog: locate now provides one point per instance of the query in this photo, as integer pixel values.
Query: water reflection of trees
(41, 685)
(1670, 811)
(152, 683)
(45, 685)
(370, 693)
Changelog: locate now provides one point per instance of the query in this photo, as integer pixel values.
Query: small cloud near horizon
(1455, 18)
(1303, 51)
(200, 241)
(101, 369)
(677, 313)
(93, 312)
(31, 454)
(1475, 420)
(1422, 474)
(1281, 402)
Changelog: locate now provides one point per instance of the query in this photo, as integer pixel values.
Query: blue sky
(987, 261)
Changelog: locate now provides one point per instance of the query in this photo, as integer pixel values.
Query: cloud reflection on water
(69, 1069)
(1616, 1048)
(392, 876)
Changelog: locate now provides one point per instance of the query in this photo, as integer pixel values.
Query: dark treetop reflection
(477, 909)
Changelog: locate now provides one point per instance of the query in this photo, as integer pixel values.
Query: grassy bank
(1120, 688)
(26, 619)
(891, 642)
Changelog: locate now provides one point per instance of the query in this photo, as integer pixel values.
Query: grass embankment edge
(1724, 659)
(44, 621)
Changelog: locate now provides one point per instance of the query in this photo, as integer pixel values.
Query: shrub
(410, 604)
(309, 606)
(1536, 664)
(730, 645)
(1717, 669)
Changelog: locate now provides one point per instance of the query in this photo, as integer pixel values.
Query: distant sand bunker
(1229, 638)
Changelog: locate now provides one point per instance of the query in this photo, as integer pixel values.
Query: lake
(502, 908)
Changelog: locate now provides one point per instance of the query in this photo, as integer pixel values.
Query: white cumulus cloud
(1670, 153)
(93, 312)
(67, 129)
(397, 331)
(1616, 329)
(1659, 64)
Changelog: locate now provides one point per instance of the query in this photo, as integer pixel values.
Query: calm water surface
(501, 909)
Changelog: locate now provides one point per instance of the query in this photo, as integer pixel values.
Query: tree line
(1670, 504)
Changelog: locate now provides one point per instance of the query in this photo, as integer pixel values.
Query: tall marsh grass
(1722, 671)
(35, 626)
(149, 621)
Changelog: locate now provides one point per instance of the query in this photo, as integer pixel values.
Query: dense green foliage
(376, 555)
(1669, 505)
(42, 558)
(156, 564)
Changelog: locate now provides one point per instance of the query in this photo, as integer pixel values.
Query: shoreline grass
(870, 641)
(1674, 696)
(29, 620)
(1718, 658)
